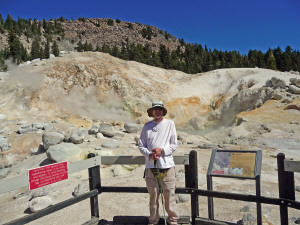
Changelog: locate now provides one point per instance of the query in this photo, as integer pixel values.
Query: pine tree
(9, 23)
(1, 19)
(155, 60)
(24, 54)
(124, 53)
(3, 67)
(130, 26)
(47, 50)
(115, 51)
(270, 60)
(110, 22)
(14, 47)
(138, 53)
(147, 53)
(80, 47)
(35, 49)
(42, 53)
(260, 60)
(287, 60)
(105, 48)
(55, 50)
(164, 56)
(85, 46)
(35, 28)
(98, 49)
(277, 52)
(1, 25)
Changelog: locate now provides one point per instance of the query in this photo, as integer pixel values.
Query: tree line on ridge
(189, 58)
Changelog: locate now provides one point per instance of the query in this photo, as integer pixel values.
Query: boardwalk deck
(142, 220)
(205, 221)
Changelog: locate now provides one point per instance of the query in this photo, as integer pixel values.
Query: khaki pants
(168, 186)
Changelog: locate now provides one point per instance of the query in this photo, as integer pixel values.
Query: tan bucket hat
(156, 104)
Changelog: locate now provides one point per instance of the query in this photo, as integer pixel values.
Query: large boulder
(105, 126)
(94, 129)
(131, 127)
(63, 152)
(108, 133)
(276, 82)
(77, 137)
(52, 138)
(107, 130)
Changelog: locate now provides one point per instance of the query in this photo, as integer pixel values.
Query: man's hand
(156, 153)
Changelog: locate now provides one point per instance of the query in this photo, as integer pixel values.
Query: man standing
(157, 143)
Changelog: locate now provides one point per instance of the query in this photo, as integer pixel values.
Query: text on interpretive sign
(46, 175)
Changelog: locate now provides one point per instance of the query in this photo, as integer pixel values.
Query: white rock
(39, 203)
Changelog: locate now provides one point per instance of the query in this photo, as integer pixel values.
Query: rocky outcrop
(243, 101)
(97, 32)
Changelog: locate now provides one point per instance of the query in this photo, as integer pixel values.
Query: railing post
(258, 205)
(194, 184)
(282, 182)
(258, 186)
(95, 183)
(210, 200)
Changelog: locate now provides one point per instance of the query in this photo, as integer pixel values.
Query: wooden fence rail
(286, 169)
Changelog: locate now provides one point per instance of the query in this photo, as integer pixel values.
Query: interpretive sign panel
(46, 175)
(233, 163)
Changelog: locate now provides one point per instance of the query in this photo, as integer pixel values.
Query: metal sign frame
(256, 177)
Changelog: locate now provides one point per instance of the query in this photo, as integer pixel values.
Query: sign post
(46, 175)
(235, 164)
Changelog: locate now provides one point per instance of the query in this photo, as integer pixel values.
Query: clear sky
(220, 24)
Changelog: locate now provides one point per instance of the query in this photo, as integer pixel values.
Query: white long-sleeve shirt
(159, 135)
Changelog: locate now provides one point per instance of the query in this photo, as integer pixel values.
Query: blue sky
(220, 24)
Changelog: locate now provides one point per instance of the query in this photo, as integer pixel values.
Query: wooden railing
(286, 169)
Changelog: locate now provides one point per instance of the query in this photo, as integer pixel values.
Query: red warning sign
(46, 175)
